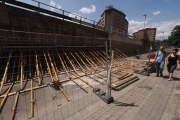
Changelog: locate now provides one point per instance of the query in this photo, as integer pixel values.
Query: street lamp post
(150, 47)
(163, 35)
(144, 20)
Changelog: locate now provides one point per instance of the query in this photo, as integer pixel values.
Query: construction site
(50, 62)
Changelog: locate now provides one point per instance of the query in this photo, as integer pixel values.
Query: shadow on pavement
(173, 78)
(124, 104)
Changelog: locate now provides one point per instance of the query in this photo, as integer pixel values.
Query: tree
(174, 38)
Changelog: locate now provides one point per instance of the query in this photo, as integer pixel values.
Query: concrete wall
(30, 21)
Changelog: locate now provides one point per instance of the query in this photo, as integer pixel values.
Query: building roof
(147, 29)
(113, 9)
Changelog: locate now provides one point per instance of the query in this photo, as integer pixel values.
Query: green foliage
(174, 38)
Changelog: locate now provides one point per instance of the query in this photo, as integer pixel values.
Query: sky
(161, 14)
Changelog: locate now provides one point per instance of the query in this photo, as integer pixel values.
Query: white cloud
(52, 3)
(166, 0)
(88, 10)
(76, 16)
(156, 13)
(163, 26)
(58, 6)
(126, 18)
(134, 26)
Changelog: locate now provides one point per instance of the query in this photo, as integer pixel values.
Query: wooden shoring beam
(63, 64)
(37, 67)
(76, 72)
(29, 66)
(96, 58)
(40, 65)
(52, 65)
(5, 97)
(32, 99)
(5, 72)
(84, 69)
(90, 59)
(102, 70)
(54, 61)
(38, 87)
(99, 56)
(87, 60)
(19, 66)
(14, 106)
(12, 78)
(54, 96)
(48, 68)
(123, 55)
(21, 70)
(103, 65)
(64, 67)
(108, 56)
(93, 58)
(91, 65)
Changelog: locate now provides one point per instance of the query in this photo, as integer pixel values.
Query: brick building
(114, 18)
(146, 34)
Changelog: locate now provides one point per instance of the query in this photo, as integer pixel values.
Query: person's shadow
(173, 78)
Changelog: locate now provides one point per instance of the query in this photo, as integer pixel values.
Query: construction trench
(27, 72)
(52, 69)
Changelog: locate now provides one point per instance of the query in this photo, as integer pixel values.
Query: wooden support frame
(84, 69)
(32, 100)
(54, 61)
(52, 65)
(14, 106)
(19, 66)
(77, 73)
(48, 68)
(21, 70)
(5, 72)
(54, 96)
(70, 72)
(92, 66)
(37, 67)
(38, 87)
(5, 97)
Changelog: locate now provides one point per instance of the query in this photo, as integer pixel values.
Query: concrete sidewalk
(150, 98)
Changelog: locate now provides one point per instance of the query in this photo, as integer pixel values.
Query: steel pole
(149, 59)
(110, 71)
(107, 68)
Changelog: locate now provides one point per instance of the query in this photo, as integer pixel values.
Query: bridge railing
(64, 15)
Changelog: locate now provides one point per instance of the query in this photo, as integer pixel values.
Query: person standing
(159, 60)
(172, 62)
